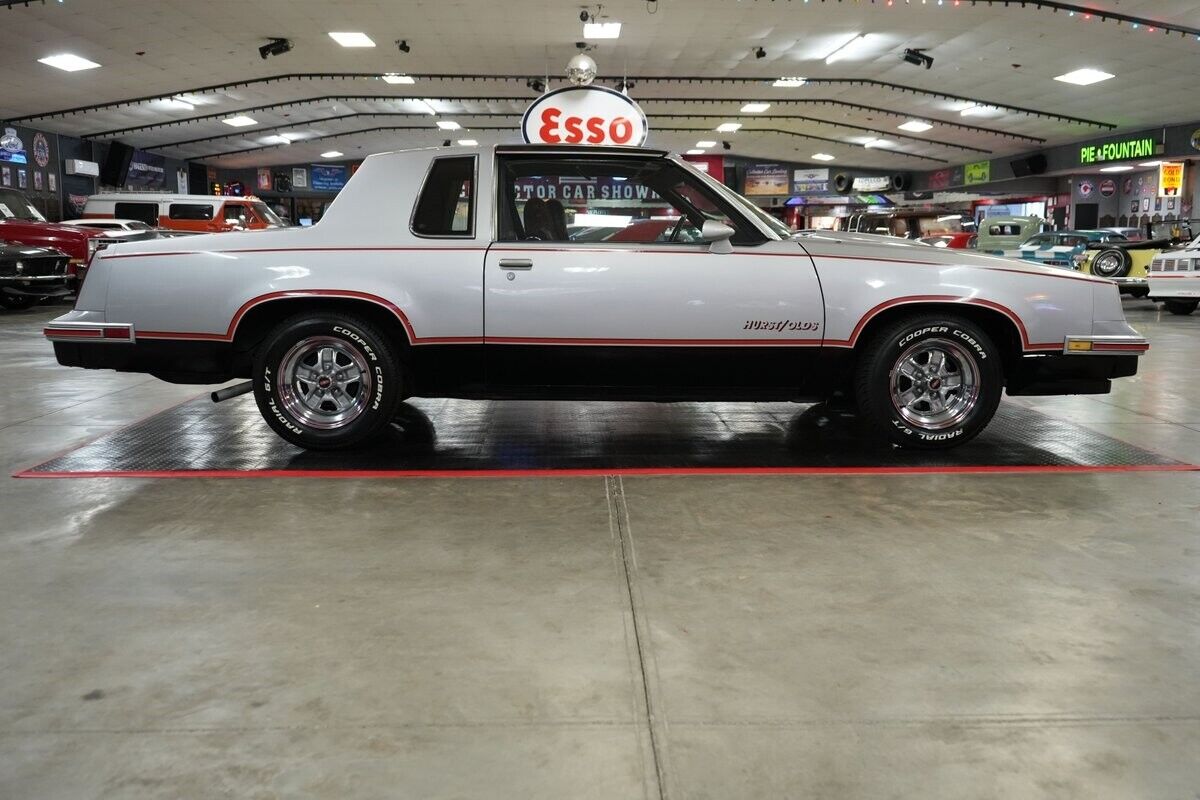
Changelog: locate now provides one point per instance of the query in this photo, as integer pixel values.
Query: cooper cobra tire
(1112, 263)
(327, 381)
(17, 302)
(1181, 307)
(929, 381)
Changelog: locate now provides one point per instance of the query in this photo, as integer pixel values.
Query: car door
(643, 306)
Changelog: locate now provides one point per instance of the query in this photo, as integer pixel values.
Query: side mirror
(718, 235)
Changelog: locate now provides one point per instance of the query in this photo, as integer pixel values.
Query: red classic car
(962, 240)
(22, 223)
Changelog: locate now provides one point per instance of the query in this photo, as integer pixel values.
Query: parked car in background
(22, 223)
(1059, 248)
(122, 225)
(999, 235)
(1174, 279)
(29, 274)
(394, 293)
(1124, 263)
(189, 212)
(1131, 234)
(962, 240)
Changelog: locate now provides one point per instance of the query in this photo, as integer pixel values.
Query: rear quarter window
(447, 202)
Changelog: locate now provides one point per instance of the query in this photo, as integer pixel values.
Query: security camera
(917, 57)
(760, 53)
(402, 46)
(275, 47)
(584, 16)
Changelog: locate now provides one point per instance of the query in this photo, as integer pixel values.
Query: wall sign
(871, 183)
(12, 149)
(1086, 188)
(977, 172)
(810, 181)
(328, 177)
(1170, 179)
(585, 115)
(766, 179)
(1108, 187)
(1121, 150)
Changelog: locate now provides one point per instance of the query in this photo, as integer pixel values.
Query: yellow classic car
(1127, 263)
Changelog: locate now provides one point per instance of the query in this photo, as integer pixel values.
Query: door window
(591, 200)
(235, 211)
(146, 212)
(446, 204)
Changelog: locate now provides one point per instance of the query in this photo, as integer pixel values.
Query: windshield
(777, 228)
(265, 213)
(14, 205)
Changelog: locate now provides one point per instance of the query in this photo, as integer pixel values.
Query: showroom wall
(33, 161)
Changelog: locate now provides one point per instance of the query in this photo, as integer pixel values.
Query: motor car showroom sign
(585, 115)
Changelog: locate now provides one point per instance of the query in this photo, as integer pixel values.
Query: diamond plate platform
(468, 437)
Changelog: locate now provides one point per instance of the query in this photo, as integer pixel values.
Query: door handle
(516, 263)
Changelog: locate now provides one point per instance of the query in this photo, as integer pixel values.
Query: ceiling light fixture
(915, 126)
(468, 142)
(755, 108)
(601, 30)
(728, 127)
(394, 77)
(822, 157)
(706, 143)
(789, 83)
(840, 50)
(331, 154)
(240, 121)
(694, 152)
(448, 125)
(351, 38)
(1150, 164)
(68, 62)
(1117, 169)
(1085, 77)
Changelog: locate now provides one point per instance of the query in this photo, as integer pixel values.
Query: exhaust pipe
(232, 391)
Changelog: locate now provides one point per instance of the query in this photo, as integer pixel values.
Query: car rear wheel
(929, 381)
(1112, 263)
(327, 381)
(17, 302)
(1181, 307)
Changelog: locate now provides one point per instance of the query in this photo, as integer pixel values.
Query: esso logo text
(585, 115)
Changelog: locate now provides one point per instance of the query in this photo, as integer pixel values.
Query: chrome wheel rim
(325, 383)
(1107, 264)
(934, 384)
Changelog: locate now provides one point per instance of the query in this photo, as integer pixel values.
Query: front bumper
(1068, 374)
(34, 286)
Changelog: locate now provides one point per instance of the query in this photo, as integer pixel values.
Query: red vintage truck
(22, 223)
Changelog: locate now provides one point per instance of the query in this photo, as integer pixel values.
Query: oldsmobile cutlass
(451, 273)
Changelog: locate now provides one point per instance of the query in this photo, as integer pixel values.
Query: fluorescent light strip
(394, 78)
(1117, 169)
(467, 142)
(240, 121)
(728, 127)
(351, 38)
(448, 125)
(789, 83)
(1085, 77)
(915, 126)
(601, 30)
(755, 108)
(822, 157)
(706, 143)
(68, 62)
(332, 154)
(840, 50)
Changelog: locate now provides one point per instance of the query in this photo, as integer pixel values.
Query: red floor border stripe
(601, 471)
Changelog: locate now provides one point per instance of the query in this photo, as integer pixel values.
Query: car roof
(559, 149)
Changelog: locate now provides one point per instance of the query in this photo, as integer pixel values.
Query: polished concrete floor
(969, 636)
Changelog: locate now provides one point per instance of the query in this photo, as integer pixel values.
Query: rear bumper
(1182, 286)
(99, 345)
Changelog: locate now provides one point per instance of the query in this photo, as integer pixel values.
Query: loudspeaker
(115, 169)
(197, 178)
(1024, 167)
(842, 183)
(902, 182)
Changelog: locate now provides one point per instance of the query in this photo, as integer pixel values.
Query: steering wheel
(677, 229)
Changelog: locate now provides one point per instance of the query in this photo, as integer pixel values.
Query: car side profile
(450, 272)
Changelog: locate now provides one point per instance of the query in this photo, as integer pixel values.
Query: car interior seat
(537, 221)
(558, 220)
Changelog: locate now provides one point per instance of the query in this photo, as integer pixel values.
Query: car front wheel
(1181, 307)
(327, 381)
(929, 381)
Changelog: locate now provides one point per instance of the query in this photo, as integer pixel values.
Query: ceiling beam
(477, 77)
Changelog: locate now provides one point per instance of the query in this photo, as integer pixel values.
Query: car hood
(61, 231)
(8, 251)
(893, 249)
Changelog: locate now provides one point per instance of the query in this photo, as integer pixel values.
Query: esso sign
(585, 115)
